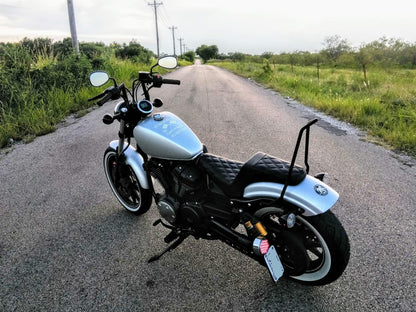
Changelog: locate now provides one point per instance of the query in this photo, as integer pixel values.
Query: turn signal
(323, 176)
(108, 119)
(157, 102)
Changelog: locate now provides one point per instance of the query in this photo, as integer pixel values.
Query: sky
(251, 27)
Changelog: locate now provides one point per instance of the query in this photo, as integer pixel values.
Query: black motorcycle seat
(233, 176)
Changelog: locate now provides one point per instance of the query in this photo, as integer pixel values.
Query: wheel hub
(292, 253)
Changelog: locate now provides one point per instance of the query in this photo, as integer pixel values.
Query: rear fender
(135, 161)
(312, 195)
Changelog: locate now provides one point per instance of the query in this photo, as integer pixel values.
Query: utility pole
(173, 36)
(72, 25)
(155, 5)
(180, 44)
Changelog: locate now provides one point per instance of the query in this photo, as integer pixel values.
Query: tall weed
(41, 83)
(37, 90)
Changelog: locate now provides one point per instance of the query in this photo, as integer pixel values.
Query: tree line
(337, 52)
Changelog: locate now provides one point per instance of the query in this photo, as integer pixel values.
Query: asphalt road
(67, 245)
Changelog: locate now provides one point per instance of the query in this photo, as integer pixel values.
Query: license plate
(274, 264)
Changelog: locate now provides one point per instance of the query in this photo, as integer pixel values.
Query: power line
(164, 16)
(165, 12)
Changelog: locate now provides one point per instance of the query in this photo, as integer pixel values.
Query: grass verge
(384, 105)
(37, 109)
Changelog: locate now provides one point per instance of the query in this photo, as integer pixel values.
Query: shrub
(135, 52)
(189, 56)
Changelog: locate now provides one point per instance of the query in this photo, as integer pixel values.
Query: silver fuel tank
(164, 135)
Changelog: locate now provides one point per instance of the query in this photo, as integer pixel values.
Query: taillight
(261, 246)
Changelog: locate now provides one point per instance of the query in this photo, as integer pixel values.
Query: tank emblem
(321, 190)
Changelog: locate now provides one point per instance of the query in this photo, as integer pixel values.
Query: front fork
(121, 138)
(120, 148)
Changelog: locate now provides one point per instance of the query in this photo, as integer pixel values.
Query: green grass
(40, 96)
(385, 107)
(36, 117)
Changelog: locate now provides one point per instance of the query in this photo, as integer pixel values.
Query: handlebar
(109, 93)
(147, 81)
(171, 81)
(105, 99)
(157, 80)
(96, 97)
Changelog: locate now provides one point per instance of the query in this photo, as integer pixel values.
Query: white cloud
(234, 25)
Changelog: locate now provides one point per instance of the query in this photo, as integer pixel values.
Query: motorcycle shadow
(205, 275)
(99, 262)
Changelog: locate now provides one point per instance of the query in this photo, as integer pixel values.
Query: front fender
(135, 161)
(312, 195)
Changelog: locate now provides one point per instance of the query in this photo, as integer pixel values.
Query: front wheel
(324, 247)
(125, 185)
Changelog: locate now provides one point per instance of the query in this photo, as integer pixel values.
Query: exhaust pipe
(234, 239)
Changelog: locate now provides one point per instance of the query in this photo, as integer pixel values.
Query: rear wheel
(323, 239)
(125, 185)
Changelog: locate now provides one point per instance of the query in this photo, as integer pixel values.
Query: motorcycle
(269, 209)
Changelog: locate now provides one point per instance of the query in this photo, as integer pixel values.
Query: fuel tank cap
(157, 117)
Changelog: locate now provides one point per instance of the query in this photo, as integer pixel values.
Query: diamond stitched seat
(233, 176)
(222, 170)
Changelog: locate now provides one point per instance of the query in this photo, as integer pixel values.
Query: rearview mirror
(169, 62)
(99, 78)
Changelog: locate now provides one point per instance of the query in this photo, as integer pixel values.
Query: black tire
(326, 243)
(129, 192)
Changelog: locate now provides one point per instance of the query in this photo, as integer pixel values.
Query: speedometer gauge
(145, 106)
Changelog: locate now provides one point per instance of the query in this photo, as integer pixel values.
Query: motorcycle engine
(187, 181)
(168, 208)
(180, 205)
(186, 214)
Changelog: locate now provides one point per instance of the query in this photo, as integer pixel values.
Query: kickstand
(169, 248)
